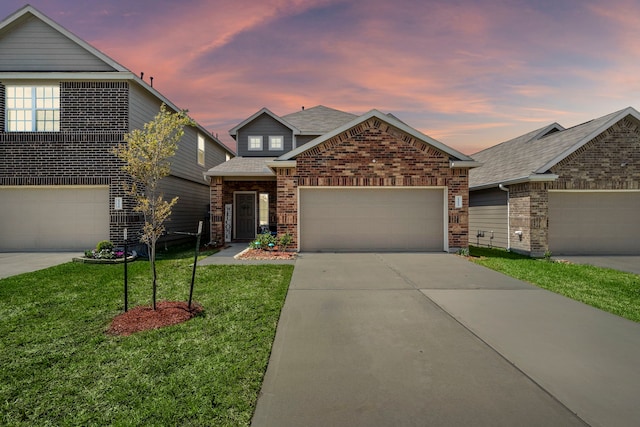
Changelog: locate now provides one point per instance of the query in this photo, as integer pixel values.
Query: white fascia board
(629, 111)
(66, 76)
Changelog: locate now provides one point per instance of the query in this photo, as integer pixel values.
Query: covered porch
(243, 199)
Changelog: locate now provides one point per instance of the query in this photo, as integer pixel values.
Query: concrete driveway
(433, 339)
(14, 263)
(628, 263)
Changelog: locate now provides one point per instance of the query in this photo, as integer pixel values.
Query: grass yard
(58, 367)
(609, 290)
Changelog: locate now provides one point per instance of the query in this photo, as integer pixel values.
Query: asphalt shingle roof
(535, 152)
(318, 120)
(241, 166)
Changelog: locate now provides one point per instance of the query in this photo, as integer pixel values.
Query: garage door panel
(371, 219)
(53, 218)
(594, 222)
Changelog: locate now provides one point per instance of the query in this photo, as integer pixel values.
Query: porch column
(217, 210)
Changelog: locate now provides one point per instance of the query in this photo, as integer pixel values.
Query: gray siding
(32, 45)
(192, 206)
(488, 215)
(303, 139)
(264, 126)
(142, 107)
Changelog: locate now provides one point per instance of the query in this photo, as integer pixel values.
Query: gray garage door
(371, 219)
(585, 223)
(53, 218)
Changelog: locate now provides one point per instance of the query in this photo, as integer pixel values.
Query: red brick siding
(375, 154)
(222, 194)
(611, 161)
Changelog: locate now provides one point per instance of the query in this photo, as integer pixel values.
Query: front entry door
(245, 215)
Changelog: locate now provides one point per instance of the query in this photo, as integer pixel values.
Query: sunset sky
(469, 73)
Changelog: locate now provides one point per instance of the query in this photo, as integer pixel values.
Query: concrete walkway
(227, 254)
(14, 263)
(433, 339)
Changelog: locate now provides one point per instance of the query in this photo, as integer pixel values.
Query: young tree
(147, 155)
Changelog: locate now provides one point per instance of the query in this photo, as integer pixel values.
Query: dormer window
(276, 143)
(33, 108)
(255, 143)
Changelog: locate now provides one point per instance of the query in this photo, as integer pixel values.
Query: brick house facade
(588, 179)
(372, 151)
(97, 105)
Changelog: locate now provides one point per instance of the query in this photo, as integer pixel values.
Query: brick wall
(94, 107)
(611, 161)
(94, 119)
(374, 154)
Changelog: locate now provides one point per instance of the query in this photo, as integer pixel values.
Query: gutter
(503, 188)
(547, 177)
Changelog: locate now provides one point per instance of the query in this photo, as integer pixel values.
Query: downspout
(503, 188)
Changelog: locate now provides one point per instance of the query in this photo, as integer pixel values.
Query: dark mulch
(143, 318)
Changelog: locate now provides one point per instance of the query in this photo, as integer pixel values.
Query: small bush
(105, 244)
(285, 241)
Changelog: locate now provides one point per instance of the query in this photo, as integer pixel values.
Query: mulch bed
(260, 254)
(143, 318)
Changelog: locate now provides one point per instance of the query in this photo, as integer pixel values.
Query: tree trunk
(152, 260)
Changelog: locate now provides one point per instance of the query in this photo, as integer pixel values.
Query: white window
(276, 143)
(33, 108)
(227, 157)
(255, 143)
(263, 209)
(200, 150)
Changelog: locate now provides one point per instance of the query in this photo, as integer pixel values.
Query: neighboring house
(567, 191)
(65, 106)
(340, 182)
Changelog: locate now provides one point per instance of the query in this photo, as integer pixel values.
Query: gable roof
(318, 120)
(117, 71)
(456, 155)
(264, 110)
(243, 166)
(531, 156)
(28, 12)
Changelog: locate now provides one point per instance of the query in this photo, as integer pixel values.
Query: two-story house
(337, 181)
(64, 107)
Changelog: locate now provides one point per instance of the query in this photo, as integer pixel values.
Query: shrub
(285, 241)
(105, 244)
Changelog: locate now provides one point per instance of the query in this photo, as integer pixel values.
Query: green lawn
(58, 367)
(609, 290)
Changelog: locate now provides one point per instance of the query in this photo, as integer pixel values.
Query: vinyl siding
(192, 205)
(488, 214)
(303, 139)
(32, 45)
(264, 126)
(142, 107)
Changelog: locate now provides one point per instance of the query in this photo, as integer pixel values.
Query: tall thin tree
(147, 156)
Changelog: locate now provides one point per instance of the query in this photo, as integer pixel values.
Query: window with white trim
(200, 150)
(255, 143)
(32, 108)
(276, 143)
(263, 209)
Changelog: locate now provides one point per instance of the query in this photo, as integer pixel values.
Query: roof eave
(548, 177)
(385, 118)
(464, 164)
